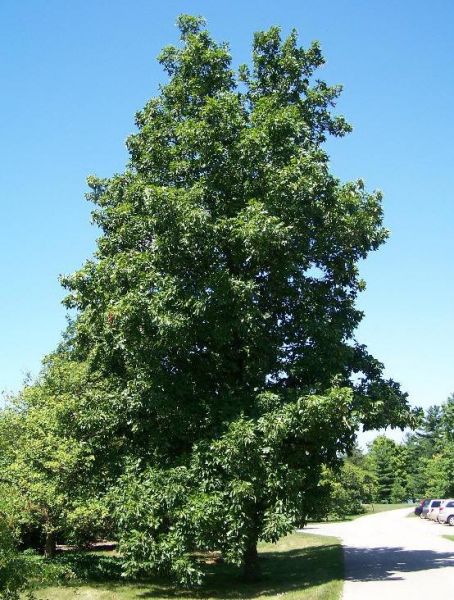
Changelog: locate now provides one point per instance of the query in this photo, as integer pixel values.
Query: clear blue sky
(74, 73)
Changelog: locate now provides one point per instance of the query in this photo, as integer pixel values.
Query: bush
(87, 522)
(345, 490)
(15, 568)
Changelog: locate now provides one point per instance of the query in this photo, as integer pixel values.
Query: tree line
(419, 467)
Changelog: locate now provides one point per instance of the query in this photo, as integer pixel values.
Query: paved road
(391, 557)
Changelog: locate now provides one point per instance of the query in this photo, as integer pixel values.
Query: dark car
(423, 504)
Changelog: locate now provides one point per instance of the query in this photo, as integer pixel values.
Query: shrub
(15, 568)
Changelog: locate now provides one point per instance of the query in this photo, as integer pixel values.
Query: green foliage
(398, 492)
(211, 375)
(348, 490)
(431, 449)
(50, 475)
(422, 466)
(75, 568)
(220, 306)
(438, 470)
(15, 569)
(86, 521)
(255, 481)
(387, 461)
(228, 257)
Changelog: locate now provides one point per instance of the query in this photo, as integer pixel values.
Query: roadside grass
(298, 567)
(375, 508)
(369, 509)
(449, 537)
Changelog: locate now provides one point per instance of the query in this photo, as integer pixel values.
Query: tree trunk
(251, 567)
(50, 545)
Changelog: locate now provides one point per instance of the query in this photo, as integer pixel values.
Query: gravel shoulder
(388, 555)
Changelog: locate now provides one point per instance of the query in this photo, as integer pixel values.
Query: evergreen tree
(430, 450)
(383, 461)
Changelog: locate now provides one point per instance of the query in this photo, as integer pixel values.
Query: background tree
(387, 461)
(347, 490)
(429, 451)
(220, 304)
(438, 466)
(52, 481)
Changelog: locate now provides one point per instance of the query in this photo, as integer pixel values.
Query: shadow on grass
(83, 567)
(282, 571)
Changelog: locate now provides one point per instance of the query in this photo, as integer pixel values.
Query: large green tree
(221, 303)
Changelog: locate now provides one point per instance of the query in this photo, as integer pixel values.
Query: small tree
(436, 477)
(383, 462)
(221, 304)
(50, 475)
(391, 465)
(347, 490)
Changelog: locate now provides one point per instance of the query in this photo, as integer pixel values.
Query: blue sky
(74, 73)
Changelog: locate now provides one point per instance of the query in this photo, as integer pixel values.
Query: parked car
(434, 511)
(427, 510)
(446, 512)
(421, 505)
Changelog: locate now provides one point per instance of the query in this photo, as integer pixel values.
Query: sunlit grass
(374, 508)
(370, 509)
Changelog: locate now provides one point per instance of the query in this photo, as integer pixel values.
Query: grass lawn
(299, 567)
(449, 537)
(371, 509)
(374, 508)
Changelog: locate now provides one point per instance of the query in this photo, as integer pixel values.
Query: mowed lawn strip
(298, 567)
(375, 508)
(369, 509)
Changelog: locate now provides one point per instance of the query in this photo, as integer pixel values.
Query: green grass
(377, 508)
(299, 567)
(374, 508)
(449, 537)
(370, 509)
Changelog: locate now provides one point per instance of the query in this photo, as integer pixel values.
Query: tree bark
(50, 544)
(251, 567)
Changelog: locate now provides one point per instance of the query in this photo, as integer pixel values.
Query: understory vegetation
(303, 567)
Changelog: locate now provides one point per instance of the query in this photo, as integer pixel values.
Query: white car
(446, 512)
(432, 509)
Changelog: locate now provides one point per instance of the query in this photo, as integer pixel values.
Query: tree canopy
(219, 311)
